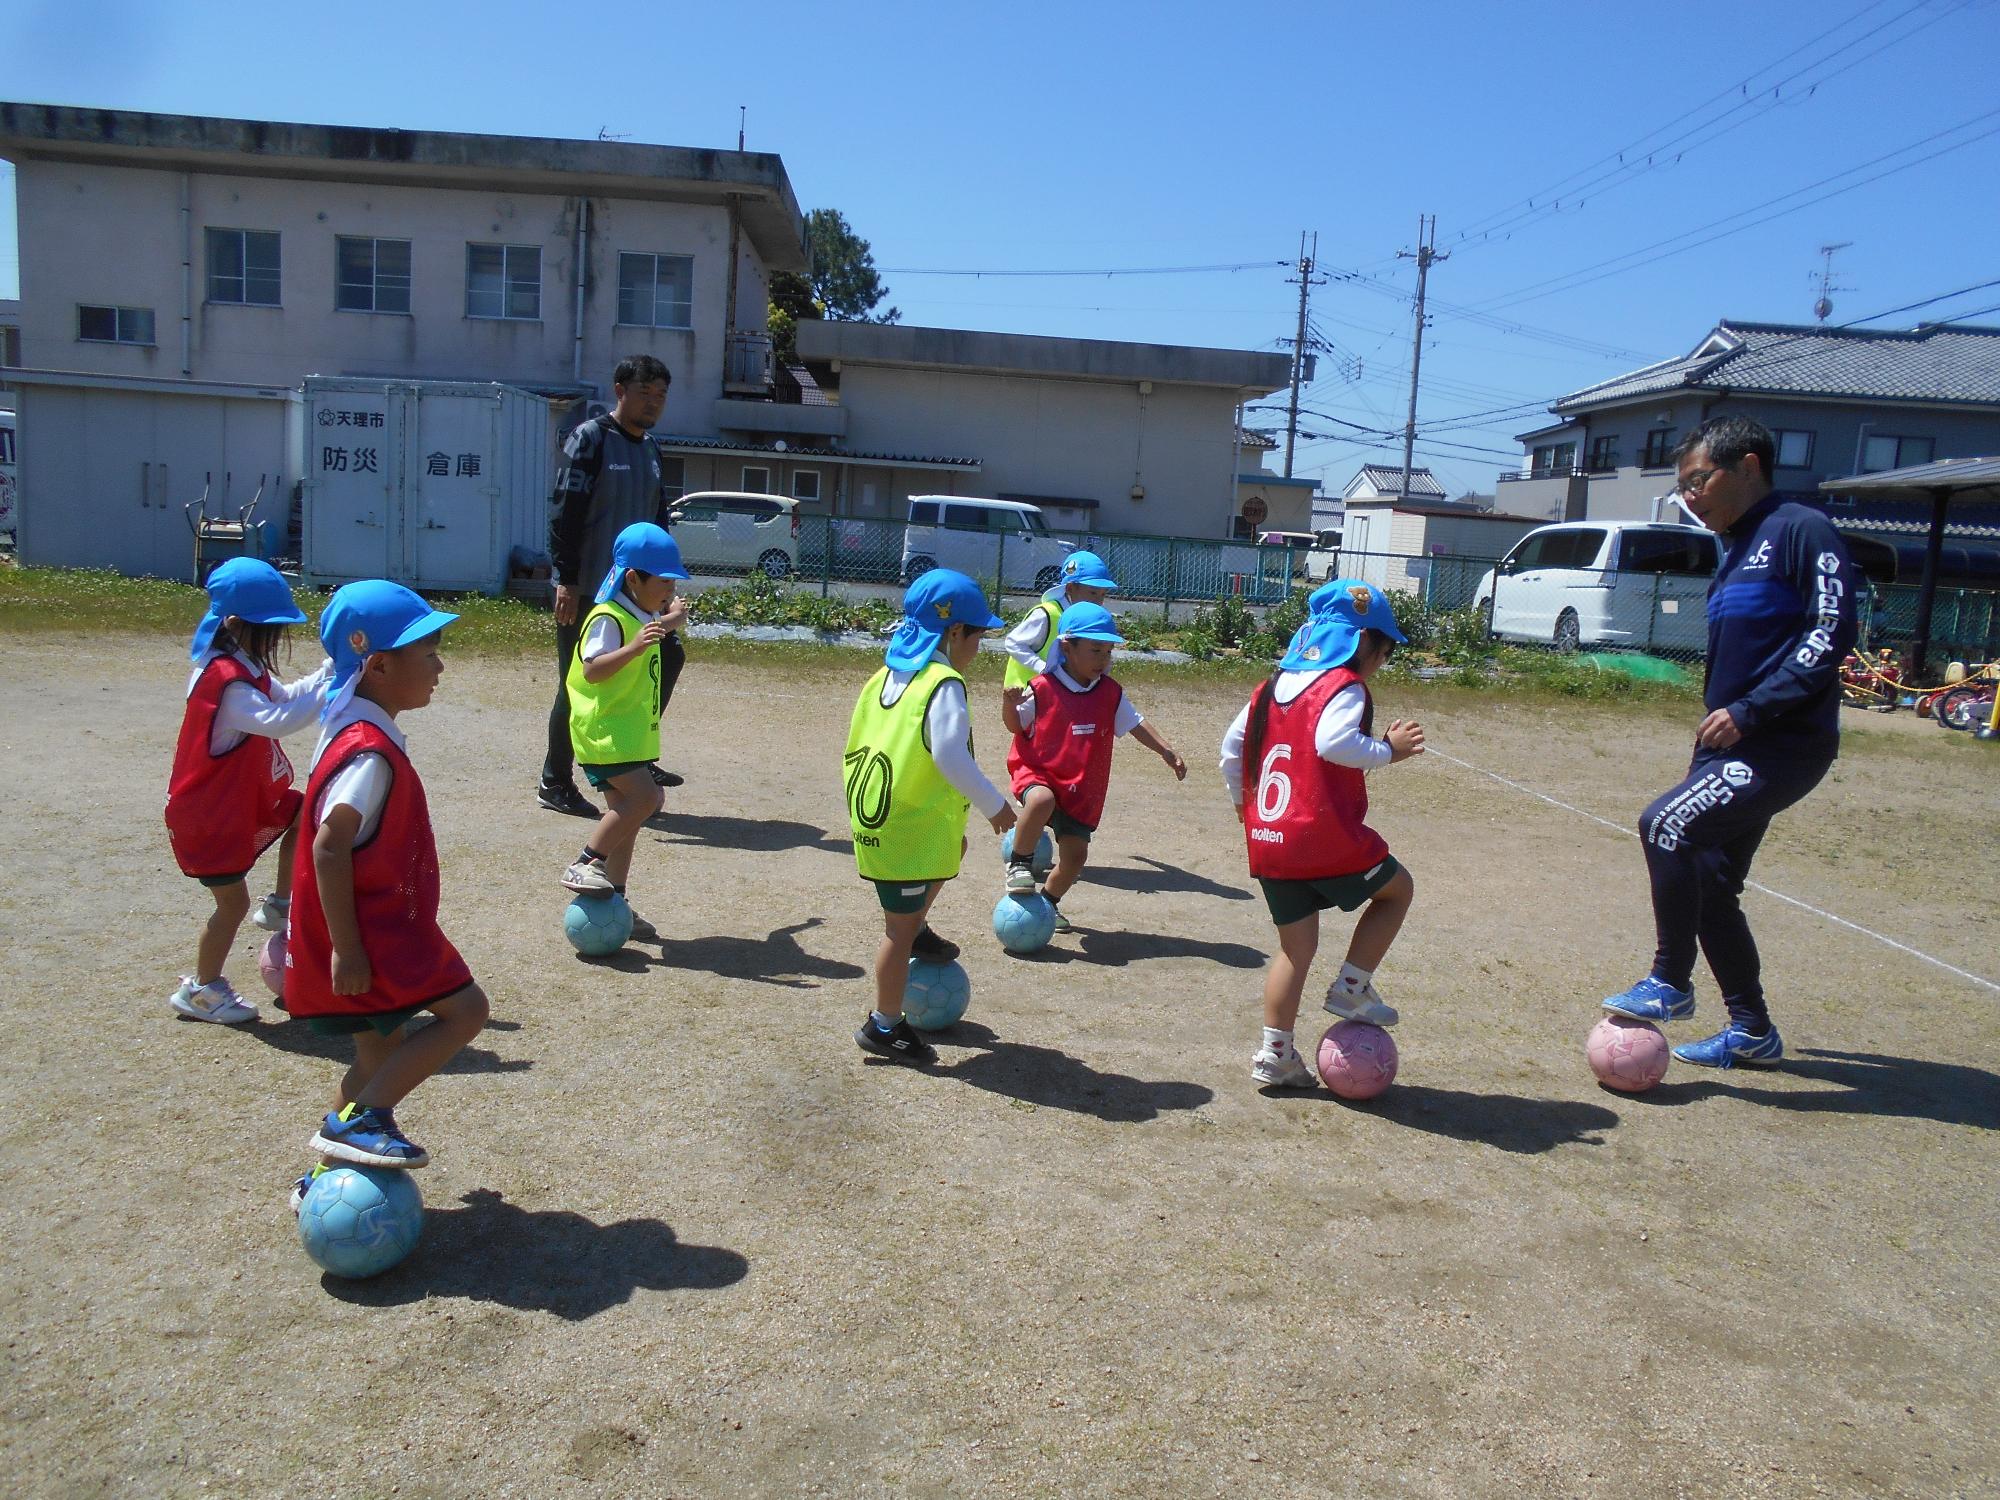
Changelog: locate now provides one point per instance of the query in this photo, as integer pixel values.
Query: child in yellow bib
(909, 779)
(1034, 646)
(614, 703)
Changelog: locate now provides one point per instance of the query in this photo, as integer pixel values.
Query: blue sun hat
(933, 604)
(250, 589)
(646, 547)
(1088, 570)
(1088, 622)
(363, 618)
(1336, 614)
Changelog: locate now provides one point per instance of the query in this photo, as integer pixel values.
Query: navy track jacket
(1780, 622)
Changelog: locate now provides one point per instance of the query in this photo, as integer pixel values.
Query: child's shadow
(767, 960)
(293, 1035)
(1507, 1122)
(1044, 1076)
(1863, 1083)
(755, 835)
(1162, 877)
(1115, 949)
(553, 1261)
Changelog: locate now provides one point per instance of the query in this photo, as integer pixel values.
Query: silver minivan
(978, 537)
(1604, 583)
(737, 532)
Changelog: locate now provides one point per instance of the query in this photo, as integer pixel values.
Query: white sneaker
(216, 1002)
(1020, 878)
(1360, 1005)
(587, 877)
(273, 912)
(1288, 1072)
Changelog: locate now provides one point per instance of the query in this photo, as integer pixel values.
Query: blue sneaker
(1653, 1000)
(369, 1137)
(1733, 1045)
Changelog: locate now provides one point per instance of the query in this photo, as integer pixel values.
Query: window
(968, 517)
(1795, 449)
(756, 481)
(1528, 554)
(10, 346)
(1880, 453)
(503, 281)
(673, 475)
(1603, 454)
(114, 325)
(1666, 552)
(1659, 449)
(1555, 458)
(922, 512)
(656, 291)
(805, 486)
(1572, 549)
(371, 275)
(243, 267)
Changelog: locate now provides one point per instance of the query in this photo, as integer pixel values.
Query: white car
(737, 532)
(1604, 583)
(978, 537)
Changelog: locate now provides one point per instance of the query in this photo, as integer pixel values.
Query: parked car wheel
(1047, 579)
(1485, 608)
(776, 566)
(917, 567)
(1569, 634)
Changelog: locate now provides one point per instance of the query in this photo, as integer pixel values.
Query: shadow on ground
(1860, 1083)
(1159, 878)
(775, 960)
(299, 1039)
(551, 1261)
(1114, 950)
(1506, 1122)
(1042, 1076)
(755, 835)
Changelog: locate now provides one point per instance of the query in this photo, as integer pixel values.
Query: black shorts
(1289, 900)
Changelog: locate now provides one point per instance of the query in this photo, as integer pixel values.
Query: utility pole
(1426, 256)
(1307, 282)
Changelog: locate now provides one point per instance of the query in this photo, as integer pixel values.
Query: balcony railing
(747, 364)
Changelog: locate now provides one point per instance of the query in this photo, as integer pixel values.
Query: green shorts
(1063, 826)
(901, 897)
(602, 776)
(1289, 900)
(382, 1022)
(214, 882)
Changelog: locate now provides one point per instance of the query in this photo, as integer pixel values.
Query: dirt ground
(683, 1240)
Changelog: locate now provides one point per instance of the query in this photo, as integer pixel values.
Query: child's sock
(882, 1022)
(1353, 981)
(588, 855)
(618, 890)
(1278, 1043)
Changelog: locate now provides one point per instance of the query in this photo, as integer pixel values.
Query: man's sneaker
(1652, 1000)
(587, 877)
(1062, 922)
(273, 912)
(304, 1186)
(1360, 1005)
(370, 1137)
(664, 777)
(933, 949)
(900, 1043)
(216, 1001)
(1020, 877)
(1288, 1072)
(1733, 1045)
(563, 797)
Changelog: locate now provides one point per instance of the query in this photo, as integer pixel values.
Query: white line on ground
(1633, 833)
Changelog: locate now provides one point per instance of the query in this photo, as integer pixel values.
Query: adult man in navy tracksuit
(1780, 622)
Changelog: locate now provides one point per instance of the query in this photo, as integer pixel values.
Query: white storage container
(430, 483)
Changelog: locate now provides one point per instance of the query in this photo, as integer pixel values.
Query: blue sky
(1113, 136)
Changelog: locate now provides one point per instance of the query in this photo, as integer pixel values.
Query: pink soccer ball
(271, 963)
(1626, 1054)
(1356, 1060)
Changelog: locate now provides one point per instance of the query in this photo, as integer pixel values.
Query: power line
(1232, 266)
(1977, 286)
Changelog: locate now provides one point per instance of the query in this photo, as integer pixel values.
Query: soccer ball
(271, 963)
(935, 995)
(1356, 1060)
(359, 1221)
(597, 925)
(1025, 923)
(1041, 861)
(1627, 1054)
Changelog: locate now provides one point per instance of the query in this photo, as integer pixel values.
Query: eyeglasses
(1696, 482)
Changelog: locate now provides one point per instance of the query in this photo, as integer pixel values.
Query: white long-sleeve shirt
(1031, 642)
(1337, 737)
(948, 722)
(244, 710)
(365, 781)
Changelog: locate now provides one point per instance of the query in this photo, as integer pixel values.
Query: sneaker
(1020, 877)
(217, 1002)
(662, 777)
(1733, 1045)
(1288, 1072)
(641, 928)
(1360, 1005)
(587, 877)
(304, 1186)
(933, 949)
(900, 1043)
(1653, 1000)
(369, 1137)
(273, 912)
(1062, 922)
(563, 797)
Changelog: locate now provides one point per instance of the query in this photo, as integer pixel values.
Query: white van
(977, 536)
(735, 531)
(1604, 583)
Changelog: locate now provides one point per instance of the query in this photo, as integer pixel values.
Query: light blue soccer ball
(359, 1221)
(1041, 861)
(1025, 923)
(596, 925)
(935, 995)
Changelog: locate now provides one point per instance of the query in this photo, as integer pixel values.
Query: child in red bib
(1064, 724)
(1308, 736)
(366, 954)
(230, 796)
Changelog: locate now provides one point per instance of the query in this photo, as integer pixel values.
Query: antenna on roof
(1823, 304)
(742, 119)
(604, 133)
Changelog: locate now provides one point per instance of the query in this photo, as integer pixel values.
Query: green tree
(842, 283)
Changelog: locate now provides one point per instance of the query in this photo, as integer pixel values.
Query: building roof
(1238, 370)
(673, 444)
(1451, 511)
(1969, 520)
(1387, 479)
(617, 169)
(1932, 363)
(1960, 478)
(1248, 437)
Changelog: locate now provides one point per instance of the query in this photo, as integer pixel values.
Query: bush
(1227, 620)
(759, 600)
